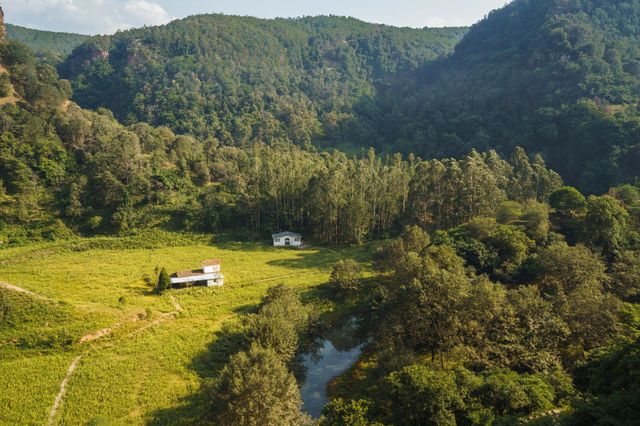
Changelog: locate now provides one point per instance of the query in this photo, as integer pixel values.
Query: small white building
(209, 275)
(287, 239)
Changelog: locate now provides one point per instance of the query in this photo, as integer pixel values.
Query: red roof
(211, 262)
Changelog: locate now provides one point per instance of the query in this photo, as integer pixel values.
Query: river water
(336, 354)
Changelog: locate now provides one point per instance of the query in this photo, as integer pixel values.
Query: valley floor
(130, 357)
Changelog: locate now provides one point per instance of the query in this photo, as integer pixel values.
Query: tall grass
(131, 376)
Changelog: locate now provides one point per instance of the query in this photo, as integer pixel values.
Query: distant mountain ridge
(241, 78)
(48, 45)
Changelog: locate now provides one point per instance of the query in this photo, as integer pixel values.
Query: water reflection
(335, 354)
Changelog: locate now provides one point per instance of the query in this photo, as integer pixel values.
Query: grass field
(145, 357)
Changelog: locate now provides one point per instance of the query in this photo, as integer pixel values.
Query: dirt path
(22, 290)
(176, 305)
(98, 334)
(63, 389)
(94, 337)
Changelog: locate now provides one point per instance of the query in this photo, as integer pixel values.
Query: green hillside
(50, 46)
(239, 79)
(142, 357)
(553, 76)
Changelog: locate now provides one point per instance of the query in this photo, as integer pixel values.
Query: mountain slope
(554, 76)
(51, 46)
(240, 78)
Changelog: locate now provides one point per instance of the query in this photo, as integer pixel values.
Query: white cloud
(85, 16)
(149, 12)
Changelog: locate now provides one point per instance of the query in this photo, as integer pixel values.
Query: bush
(94, 223)
(345, 278)
(164, 281)
(5, 308)
(347, 413)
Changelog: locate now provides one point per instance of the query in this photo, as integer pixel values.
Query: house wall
(280, 242)
(210, 269)
(215, 283)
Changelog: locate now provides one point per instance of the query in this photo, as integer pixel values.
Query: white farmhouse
(287, 239)
(209, 275)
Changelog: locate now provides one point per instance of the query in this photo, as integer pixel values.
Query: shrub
(345, 278)
(340, 412)
(164, 282)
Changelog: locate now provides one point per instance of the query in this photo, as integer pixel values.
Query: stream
(336, 353)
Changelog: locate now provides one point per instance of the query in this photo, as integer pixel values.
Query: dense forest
(52, 47)
(239, 79)
(552, 76)
(527, 315)
(64, 167)
(524, 318)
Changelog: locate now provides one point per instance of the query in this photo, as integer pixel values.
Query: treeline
(500, 320)
(555, 77)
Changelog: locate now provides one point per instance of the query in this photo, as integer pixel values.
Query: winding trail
(63, 389)
(17, 289)
(93, 337)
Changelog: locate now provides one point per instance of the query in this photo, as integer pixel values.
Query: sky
(108, 16)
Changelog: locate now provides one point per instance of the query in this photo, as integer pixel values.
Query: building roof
(211, 262)
(286, 234)
(191, 273)
(193, 276)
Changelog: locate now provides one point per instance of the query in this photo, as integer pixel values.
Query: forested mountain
(239, 79)
(556, 77)
(50, 46)
(65, 169)
(553, 76)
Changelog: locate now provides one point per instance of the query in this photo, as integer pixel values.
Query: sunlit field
(140, 358)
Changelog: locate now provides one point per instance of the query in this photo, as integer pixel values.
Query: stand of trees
(256, 385)
(500, 320)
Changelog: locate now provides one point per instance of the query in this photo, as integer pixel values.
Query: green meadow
(140, 358)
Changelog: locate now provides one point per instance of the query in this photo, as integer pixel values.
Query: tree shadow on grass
(324, 258)
(195, 409)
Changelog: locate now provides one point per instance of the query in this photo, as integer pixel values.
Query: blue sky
(107, 16)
